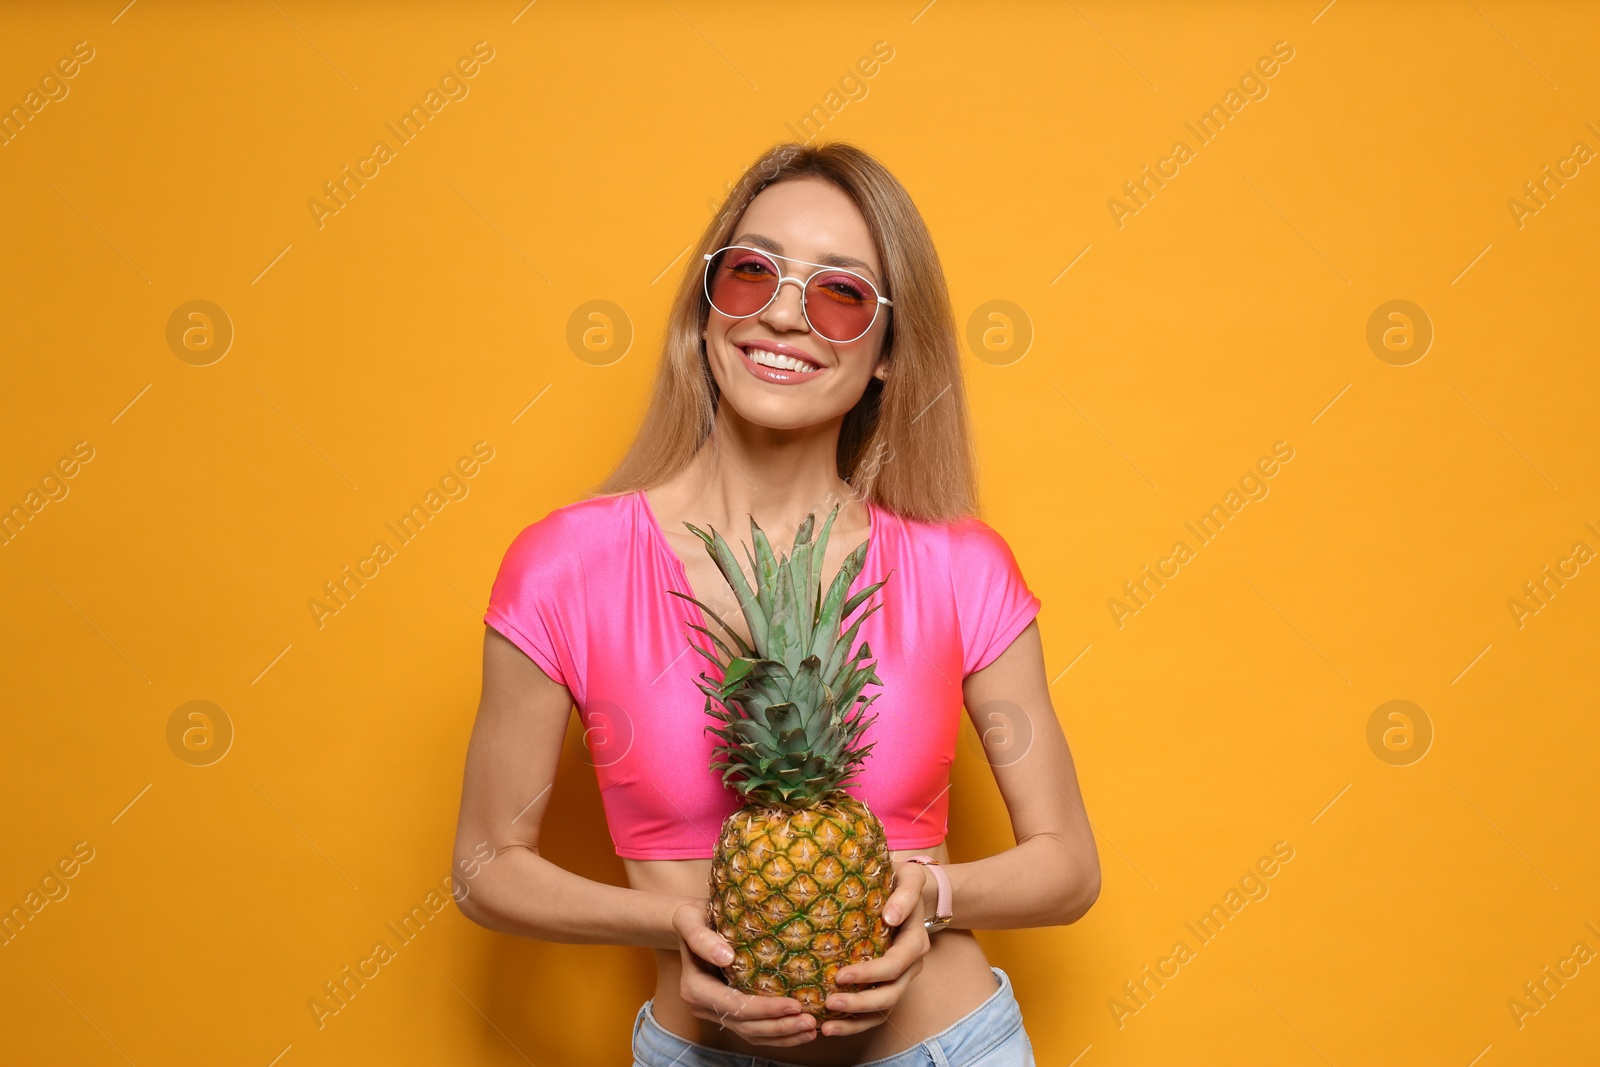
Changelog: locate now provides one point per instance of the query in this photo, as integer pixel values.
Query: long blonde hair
(906, 444)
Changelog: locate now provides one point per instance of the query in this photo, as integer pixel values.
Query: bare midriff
(955, 979)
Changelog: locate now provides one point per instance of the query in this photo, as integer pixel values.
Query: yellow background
(428, 314)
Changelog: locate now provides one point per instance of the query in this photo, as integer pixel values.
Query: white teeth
(773, 359)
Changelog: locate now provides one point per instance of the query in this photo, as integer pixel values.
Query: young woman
(773, 401)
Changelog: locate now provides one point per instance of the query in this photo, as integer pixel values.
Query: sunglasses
(839, 305)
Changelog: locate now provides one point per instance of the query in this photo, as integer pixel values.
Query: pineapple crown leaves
(788, 709)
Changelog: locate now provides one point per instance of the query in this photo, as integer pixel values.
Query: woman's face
(806, 219)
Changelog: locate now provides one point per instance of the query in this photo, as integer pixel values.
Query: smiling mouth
(765, 358)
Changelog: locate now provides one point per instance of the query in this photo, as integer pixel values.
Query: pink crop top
(583, 592)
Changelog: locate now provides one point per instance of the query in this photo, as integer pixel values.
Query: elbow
(472, 887)
(495, 893)
(469, 902)
(479, 908)
(1081, 896)
(1079, 888)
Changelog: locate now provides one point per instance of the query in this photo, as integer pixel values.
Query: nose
(787, 310)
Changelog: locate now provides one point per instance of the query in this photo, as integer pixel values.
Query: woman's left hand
(882, 981)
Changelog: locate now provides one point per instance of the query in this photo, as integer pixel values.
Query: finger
(709, 946)
(787, 1031)
(783, 1029)
(704, 942)
(907, 949)
(798, 1039)
(878, 998)
(694, 968)
(853, 1025)
(768, 1026)
(728, 1004)
(907, 893)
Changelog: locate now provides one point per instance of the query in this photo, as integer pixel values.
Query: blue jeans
(991, 1035)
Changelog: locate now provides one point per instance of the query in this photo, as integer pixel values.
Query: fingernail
(836, 1003)
(725, 956)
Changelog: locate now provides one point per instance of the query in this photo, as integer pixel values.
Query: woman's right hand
(760, 1020)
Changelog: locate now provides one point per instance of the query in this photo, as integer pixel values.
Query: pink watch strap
(944, 909)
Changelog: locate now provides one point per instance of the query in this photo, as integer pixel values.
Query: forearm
(1042, 881)
(521, 892)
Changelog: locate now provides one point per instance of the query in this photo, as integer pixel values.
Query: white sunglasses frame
(705, 285)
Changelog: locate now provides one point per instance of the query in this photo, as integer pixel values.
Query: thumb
(710, 946)
(698, 937)
(907, 891)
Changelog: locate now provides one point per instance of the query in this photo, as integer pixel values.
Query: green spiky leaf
(786, 706)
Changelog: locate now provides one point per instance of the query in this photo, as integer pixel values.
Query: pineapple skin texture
(799, 894)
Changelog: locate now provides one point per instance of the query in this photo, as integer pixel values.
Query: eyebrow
(832, 259)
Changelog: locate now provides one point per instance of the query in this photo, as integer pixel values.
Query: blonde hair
(906, 444)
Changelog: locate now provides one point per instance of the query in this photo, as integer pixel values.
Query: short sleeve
(993, 602)
(536, 593)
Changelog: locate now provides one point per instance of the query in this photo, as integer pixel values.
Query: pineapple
(801, 873)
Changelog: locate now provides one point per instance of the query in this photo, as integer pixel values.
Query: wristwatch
(944, 909)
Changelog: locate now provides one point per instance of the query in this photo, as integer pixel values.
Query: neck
(778, 476)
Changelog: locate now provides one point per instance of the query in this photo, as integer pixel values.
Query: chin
(774, 414)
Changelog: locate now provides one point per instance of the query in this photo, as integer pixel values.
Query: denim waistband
(963, 1041)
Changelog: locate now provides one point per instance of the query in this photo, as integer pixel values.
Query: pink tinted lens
(741, 282)
(839, 305)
